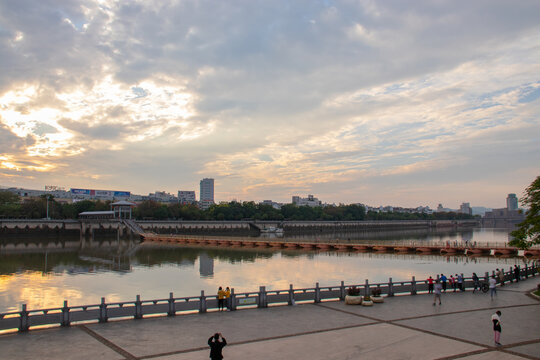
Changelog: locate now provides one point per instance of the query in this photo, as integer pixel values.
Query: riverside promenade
(403, 327)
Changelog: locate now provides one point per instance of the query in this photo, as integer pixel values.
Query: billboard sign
(100, 193)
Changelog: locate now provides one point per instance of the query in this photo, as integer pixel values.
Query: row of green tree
(11, 206)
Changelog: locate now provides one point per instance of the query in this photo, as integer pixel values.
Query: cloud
(351, 99)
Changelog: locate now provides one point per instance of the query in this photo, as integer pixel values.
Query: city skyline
(189, 196)
(366, 102)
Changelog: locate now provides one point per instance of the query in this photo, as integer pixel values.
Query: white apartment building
(186, 197)
(309, 201)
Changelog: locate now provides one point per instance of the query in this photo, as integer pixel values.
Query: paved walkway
(404, 327)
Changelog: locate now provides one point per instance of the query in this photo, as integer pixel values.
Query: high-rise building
(207, 193)
(465, 208)
(512, 202)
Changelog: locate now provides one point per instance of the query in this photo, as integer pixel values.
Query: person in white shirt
(496, 320)
(493, 286)
(437, 291)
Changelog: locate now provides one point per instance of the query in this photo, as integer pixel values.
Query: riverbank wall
(89, 228)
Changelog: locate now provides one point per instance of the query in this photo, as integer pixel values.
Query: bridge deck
(423, 248)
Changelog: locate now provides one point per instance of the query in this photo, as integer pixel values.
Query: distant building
(206, 193)
(186, 197)
(511, 202)
(271, 203)
(309, 201)
(162, 196)
(465, 208)
(502, 218)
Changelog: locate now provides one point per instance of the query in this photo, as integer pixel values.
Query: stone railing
(28, 319)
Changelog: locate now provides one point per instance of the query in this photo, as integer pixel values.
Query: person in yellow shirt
(221, 298)
(228, 298)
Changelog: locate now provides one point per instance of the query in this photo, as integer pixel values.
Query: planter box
(367, 303)
(353, 300)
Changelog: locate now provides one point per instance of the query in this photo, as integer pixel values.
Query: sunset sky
(378, 102)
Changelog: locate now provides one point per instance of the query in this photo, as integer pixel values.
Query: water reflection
(44, 273)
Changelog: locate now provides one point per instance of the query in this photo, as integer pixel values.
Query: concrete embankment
(89, 227)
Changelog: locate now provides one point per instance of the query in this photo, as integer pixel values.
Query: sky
(374, 102)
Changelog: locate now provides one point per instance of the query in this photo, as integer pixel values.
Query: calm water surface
(82, 274)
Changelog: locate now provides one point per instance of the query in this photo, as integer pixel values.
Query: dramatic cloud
(375, 102)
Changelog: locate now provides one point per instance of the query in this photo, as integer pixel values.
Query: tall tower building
(207, 193)
(465, 208)
(511, 202)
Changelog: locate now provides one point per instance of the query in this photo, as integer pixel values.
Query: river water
(44, 273)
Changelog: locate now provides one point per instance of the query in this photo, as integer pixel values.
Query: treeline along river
(43, 272)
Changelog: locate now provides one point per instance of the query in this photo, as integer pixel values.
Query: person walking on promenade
(221, 298)
(516, 273)
(228, 298)
(443, 282)
(496, 320)
(476, 282)
(430, 285)
(437, 289)
(460, 283)
(492, 286)
(216, 346)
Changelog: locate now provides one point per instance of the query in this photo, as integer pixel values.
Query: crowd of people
(454, 283)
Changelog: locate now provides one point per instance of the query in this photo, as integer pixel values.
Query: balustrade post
(462, 282)
(317, 293)
(342, 291)
(526, 271)
(262, 297)
(24, 321)
(413, 286)
(172, 306)
(65, 315)
(138, 308)
(366, 288)
(390, 287)
(103, 318)
(202, 303)
(232, 300)
(291, 295)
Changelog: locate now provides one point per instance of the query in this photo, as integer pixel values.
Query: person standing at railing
(476, 282)
(443, 282)
(216, 346)
(517, 270)
(501, 277)
(460, 282)
(430, 285)
(452, 282)
(228, 298)
(221, 298)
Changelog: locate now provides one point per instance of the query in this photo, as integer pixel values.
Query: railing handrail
(262, 298)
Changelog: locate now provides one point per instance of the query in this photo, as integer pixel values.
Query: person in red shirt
(430, 285)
